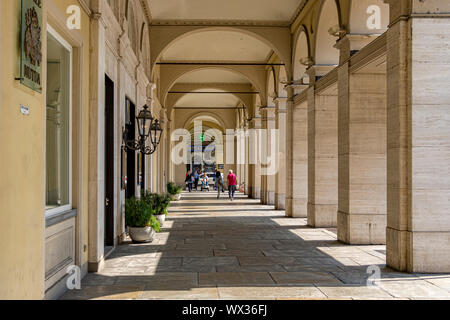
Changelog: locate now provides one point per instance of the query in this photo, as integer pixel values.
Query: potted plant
(159, 203)
(174, 191)
(142, 224)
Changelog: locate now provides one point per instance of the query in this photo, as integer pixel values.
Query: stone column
(267, 154)
(418, 206)
(254, 164)
(96, 142)
(263, 153)
(290, 179)
(246, 165)
(362, 153)
(280, 177)
(322, 155)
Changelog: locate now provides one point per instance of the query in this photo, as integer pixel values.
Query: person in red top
(232, 183)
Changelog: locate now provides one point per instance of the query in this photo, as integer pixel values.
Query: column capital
(317, 71)
(268, 112)
(280, 100)
(349, 44)
(255, 122)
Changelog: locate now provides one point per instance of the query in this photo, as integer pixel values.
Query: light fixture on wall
(148, 127)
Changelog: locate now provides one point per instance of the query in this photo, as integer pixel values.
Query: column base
(296, 208)
(280, 201)
(270, 198)
(256, 193)
(361, 228)
(322, 215)
(418, 252)
(263, 196)
(98, 266)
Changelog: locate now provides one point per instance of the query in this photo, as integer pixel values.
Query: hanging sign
(31, 44)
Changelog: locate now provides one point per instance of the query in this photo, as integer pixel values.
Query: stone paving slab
(211, 261)
(105, 293)
(261, 261)
(209, 249)
(305, 277)
(354, 292)
(234, 278)
(266, 268)
(270, 292)
(193, 294)
(239, 253)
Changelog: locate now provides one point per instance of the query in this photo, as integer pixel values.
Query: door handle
(106, 202)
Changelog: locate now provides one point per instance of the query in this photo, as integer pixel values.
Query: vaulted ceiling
(257, 11)
(218, 45)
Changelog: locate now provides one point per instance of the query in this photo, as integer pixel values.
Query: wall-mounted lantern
(148, 127)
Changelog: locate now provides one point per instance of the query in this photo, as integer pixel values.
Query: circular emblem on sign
(32, 41)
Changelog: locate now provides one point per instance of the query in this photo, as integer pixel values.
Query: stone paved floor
(215, 249)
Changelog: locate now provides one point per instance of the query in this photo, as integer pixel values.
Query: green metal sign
(31, 44)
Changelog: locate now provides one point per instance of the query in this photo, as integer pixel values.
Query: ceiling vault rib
(220, 64)
(208, 92)
(209, 108)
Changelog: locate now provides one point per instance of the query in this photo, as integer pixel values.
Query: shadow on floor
(251, 253)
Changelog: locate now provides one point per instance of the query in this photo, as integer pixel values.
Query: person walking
(232, 183)
(196, 178)
(219, 183)
(189, 180)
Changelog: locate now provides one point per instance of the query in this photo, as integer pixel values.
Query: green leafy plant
(159, 203)
(139, 214)
(174, 189)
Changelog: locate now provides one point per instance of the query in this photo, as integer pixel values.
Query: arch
(271, 88)
(130, 14)
(141, 39)
(302, 53)
(145, 49)
(170, 74)
(114, 8)
(203, 114)
(281, 80)
(329, 21)
(359, 13)
(277, 38)
(173, 99)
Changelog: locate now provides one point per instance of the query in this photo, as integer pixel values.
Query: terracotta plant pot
(141, 235)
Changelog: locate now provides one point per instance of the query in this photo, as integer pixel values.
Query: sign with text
(31, 44)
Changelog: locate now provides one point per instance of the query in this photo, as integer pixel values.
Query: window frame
(68, 207)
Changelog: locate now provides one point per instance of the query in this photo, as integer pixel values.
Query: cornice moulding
(247, 23)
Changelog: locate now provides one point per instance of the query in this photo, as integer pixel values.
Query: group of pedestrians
(192, 179)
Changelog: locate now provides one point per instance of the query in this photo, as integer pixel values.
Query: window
(58, 125)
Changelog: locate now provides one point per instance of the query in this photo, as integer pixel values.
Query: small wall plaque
(24, 110)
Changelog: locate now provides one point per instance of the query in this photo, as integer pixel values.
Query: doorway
(130, 115)
(109, 162)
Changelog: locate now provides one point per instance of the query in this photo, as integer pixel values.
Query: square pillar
(254, 167)
(362, 157)
(362, 152)
(297, 160)
(280, 177)
(268, 154)
(322, 155)
(418, 205)
(96, 198)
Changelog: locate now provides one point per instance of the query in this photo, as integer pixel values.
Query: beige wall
(22, 161)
